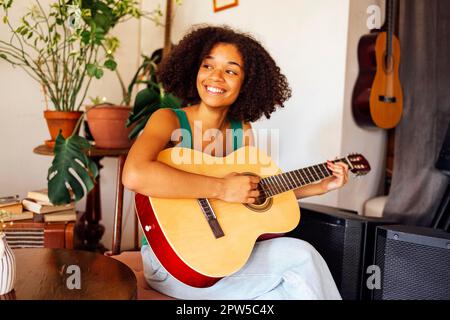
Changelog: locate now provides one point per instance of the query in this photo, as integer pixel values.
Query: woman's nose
(216, 75)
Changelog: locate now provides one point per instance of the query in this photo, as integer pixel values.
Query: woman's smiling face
(221, 76)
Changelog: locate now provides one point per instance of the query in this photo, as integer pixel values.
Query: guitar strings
(274, 188)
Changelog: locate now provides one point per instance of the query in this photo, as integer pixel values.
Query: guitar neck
(291, 180)
(391, 17)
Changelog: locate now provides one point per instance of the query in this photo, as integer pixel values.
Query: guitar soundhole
(261, 204)
(262, 196)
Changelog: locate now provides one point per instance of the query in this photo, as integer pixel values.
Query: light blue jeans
(278, 269)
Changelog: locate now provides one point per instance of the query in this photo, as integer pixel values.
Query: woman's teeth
(214, 90)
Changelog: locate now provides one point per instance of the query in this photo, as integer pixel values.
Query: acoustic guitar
(377, 98)
(200, 241)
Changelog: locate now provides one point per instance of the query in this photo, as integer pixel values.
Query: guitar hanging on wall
(377, 98)
(200, 241)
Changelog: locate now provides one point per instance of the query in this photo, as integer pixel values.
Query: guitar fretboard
(291, 180)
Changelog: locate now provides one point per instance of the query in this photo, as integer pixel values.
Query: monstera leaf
(148, 101)
(70, 170)
(151, 98)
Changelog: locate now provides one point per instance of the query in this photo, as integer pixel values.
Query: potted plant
(70, 152)
(105, 121)
(63, 49)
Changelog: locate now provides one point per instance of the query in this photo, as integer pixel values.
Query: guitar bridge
(211, 218)
(387, 99)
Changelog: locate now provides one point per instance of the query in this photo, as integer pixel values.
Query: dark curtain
(417, 186)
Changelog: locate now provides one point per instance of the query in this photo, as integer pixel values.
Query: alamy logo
(73, 281)
(374, 280)
(374, 19)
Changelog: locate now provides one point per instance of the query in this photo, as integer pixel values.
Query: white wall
(370, 142)
(309, 40)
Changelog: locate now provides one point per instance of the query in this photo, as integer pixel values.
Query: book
(25, 215)
(60, 216)
(12, 208)
(38, 207)
(41, 196)
(9, 200)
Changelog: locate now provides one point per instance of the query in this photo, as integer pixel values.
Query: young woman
(227, 80)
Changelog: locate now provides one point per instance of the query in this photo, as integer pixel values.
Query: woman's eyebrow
(229, 62)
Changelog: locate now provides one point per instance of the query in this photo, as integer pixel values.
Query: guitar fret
(274, 184)
(266, 188)
(305, 176)
(319, 172)
(287, 185)
(299, 177)
(295, 183)
(314, 173)
(310, 176)
(294, 179)
(280, 183)
(326, 174)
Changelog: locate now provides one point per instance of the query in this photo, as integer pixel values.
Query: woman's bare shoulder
(162, 118)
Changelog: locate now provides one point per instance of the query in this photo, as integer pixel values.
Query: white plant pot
(7, 266)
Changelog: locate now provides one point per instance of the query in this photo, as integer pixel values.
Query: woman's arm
(144, 174)
(340, 173)
(338, 180)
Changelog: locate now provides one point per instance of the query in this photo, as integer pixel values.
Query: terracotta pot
(60, 120)
(107, 125)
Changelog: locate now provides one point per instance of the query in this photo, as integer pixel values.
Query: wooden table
(48, 274)
(88, 229)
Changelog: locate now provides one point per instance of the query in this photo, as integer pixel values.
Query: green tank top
(188, 143)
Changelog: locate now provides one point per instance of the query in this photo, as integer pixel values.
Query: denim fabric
(278, 269)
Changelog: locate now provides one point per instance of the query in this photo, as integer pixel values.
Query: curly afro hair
(264, 87)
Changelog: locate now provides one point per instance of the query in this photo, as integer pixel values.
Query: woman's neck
(211, 117)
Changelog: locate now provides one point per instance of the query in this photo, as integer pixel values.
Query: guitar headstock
(360, 165)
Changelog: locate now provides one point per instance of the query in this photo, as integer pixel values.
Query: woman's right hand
(239, 188)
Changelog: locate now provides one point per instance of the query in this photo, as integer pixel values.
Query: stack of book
(44, 211)
(12, 209)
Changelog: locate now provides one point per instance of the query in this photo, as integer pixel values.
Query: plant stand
(88, 228)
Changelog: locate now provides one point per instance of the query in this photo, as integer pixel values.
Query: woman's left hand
(339, 178)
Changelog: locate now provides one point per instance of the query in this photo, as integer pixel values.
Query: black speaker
(346, 242)
(414, 263)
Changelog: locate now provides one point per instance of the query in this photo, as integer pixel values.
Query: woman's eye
(207, 66)
(232, 72)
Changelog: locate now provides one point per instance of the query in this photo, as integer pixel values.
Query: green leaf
(148, 110)
(110, 64)
(148, 101)
(91, 68)
(138, 128)
(170, 101)
(144, 98)
(85, 37)
(69, 156)
(98, 73)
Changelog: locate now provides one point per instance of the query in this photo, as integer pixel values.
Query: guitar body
(377, 96)
(182, 239)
